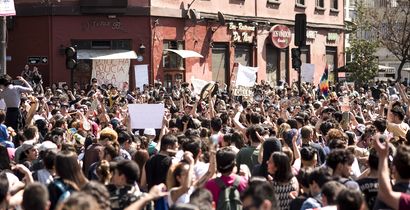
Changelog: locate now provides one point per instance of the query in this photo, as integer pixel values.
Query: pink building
(240, 34)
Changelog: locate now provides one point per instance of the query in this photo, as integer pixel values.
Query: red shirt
(404, 202)
(213, 187)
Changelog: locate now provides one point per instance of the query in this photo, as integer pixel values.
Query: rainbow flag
(324, 83)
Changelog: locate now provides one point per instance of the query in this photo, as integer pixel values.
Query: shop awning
(406, 69)
(186, 53)
(385, 68)
(106, 54)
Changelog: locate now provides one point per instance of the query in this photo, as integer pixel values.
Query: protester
(282, 148)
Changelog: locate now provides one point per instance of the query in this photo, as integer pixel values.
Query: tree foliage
(391, 25)
(364, 66)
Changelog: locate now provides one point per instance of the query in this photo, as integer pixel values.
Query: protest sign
(246, 76)
(308, 72)
(146, 115)
(141, 76)
(198, 85)
(7, 8)
(242, 91)
(2, 104)
(115, 71)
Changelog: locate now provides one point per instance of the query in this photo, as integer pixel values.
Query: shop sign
(311, 34)
(241, 37)
(281, 36)
(33, 60)
(114, 24)
(332, 36)
(241, 33)
(240, 27)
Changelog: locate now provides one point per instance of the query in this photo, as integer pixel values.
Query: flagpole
(3, 52)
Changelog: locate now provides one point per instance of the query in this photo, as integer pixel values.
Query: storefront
(108, 47)
(107, 42)
(322, 49)
(220, 45)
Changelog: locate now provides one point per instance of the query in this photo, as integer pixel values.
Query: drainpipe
(255, 44)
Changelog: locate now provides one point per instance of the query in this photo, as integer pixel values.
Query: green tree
(390, 22)
(364, 65)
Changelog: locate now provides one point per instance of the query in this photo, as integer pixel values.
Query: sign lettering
(281, 36)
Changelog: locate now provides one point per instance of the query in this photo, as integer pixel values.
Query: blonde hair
(282, 129)
(103, 172)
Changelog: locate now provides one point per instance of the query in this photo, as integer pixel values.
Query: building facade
(255, 33)
(388, 63)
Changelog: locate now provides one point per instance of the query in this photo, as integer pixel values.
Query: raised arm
(385, 193)
(28, 87)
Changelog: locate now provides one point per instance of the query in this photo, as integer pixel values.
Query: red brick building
(43, 30)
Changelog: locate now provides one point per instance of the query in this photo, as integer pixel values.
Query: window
(171, 60)
(243, 54)
(352, 3)
(168, 81)
(114, 44)
(178, 77)
(220, 63)
(272, 64)
(104, 3)
(334, 4)
(320, 4)
(331, 61)
(300, 2)
(274, 1)
(305, 54)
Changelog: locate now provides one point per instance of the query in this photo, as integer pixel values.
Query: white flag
(246, 76)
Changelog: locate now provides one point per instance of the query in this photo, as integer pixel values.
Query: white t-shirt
(200, 168)
(184, 198)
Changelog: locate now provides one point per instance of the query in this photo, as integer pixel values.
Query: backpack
(229, 197)
(64, 189)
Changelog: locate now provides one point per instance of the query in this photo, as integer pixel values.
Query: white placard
(2, 104)
(308, 72)
(246, 76)
(7, 8)
(198, 85)
(114, 72)
(141, 76)
(146, 115)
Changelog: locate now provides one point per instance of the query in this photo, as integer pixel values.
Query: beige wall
(133, 3)
(286, 10)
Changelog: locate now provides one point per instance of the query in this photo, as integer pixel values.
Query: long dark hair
(4, 159)
(68, 169)
(284, 170)
(271, 145)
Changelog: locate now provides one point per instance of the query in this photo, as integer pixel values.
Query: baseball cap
(46, 145)
(150, 132)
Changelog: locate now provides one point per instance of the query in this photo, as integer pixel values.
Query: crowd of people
(281, 149)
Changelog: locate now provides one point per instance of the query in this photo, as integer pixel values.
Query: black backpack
(229, 197)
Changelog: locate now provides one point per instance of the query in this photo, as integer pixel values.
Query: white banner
(114, 72)
(2, 104)
(7, 8)
(198, 84)
(308, 72)
(246, 76)
(141, 76)
(146, 115)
